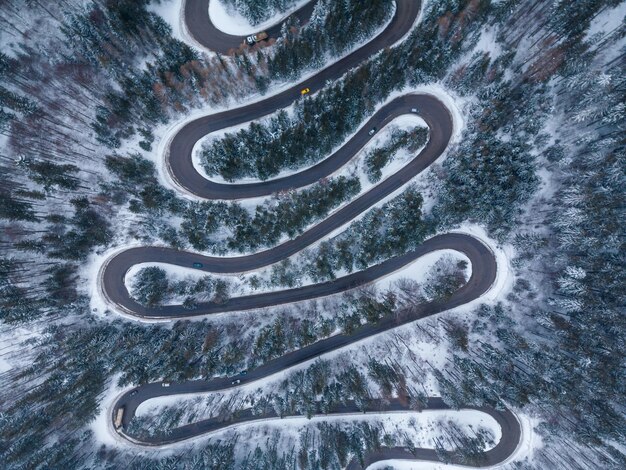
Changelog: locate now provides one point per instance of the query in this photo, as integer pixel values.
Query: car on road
(372, 131)
(414, 110)
(254, 38)
(305, 91)
(134, 392)
(243, 372)
(165, 384)
(119, 415)
(236, 382)
(197, 265)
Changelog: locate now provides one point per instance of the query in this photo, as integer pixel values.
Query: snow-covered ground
(102, 426)
(487, 43)
(232, 22)
(172, 12)
(608, 20)
(12, 345)
(419, 269)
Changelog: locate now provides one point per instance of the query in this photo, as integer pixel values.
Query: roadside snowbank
(505, 275)
(102, 425)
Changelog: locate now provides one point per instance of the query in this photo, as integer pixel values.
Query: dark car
(198, 265)
(134, 392)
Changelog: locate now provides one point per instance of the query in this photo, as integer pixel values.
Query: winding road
(182, 170)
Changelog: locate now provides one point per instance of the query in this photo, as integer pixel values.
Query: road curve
(181, 168)
(202, 29)
(179, 155)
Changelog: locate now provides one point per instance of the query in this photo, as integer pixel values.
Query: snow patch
(488, 43)
(172, 12)
(232, 22)
(12, 349)
(419, 269)
(607, 21)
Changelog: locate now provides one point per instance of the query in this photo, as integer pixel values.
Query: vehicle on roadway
(254, 38)
(414, 110)
(372, 131)
(236, 382)
(119, 415)
(305, 91)
(165, 384)
(197, 265)
(134, 392)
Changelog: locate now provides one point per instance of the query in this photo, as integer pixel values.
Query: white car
(372, 131)
(414, 110)
(254, 38)
(165, 384)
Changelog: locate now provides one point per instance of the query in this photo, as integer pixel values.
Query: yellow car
(305, 91)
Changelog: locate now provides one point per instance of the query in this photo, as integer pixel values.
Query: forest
(538, 163)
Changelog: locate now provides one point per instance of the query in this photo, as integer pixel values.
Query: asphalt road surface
(179, 162)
